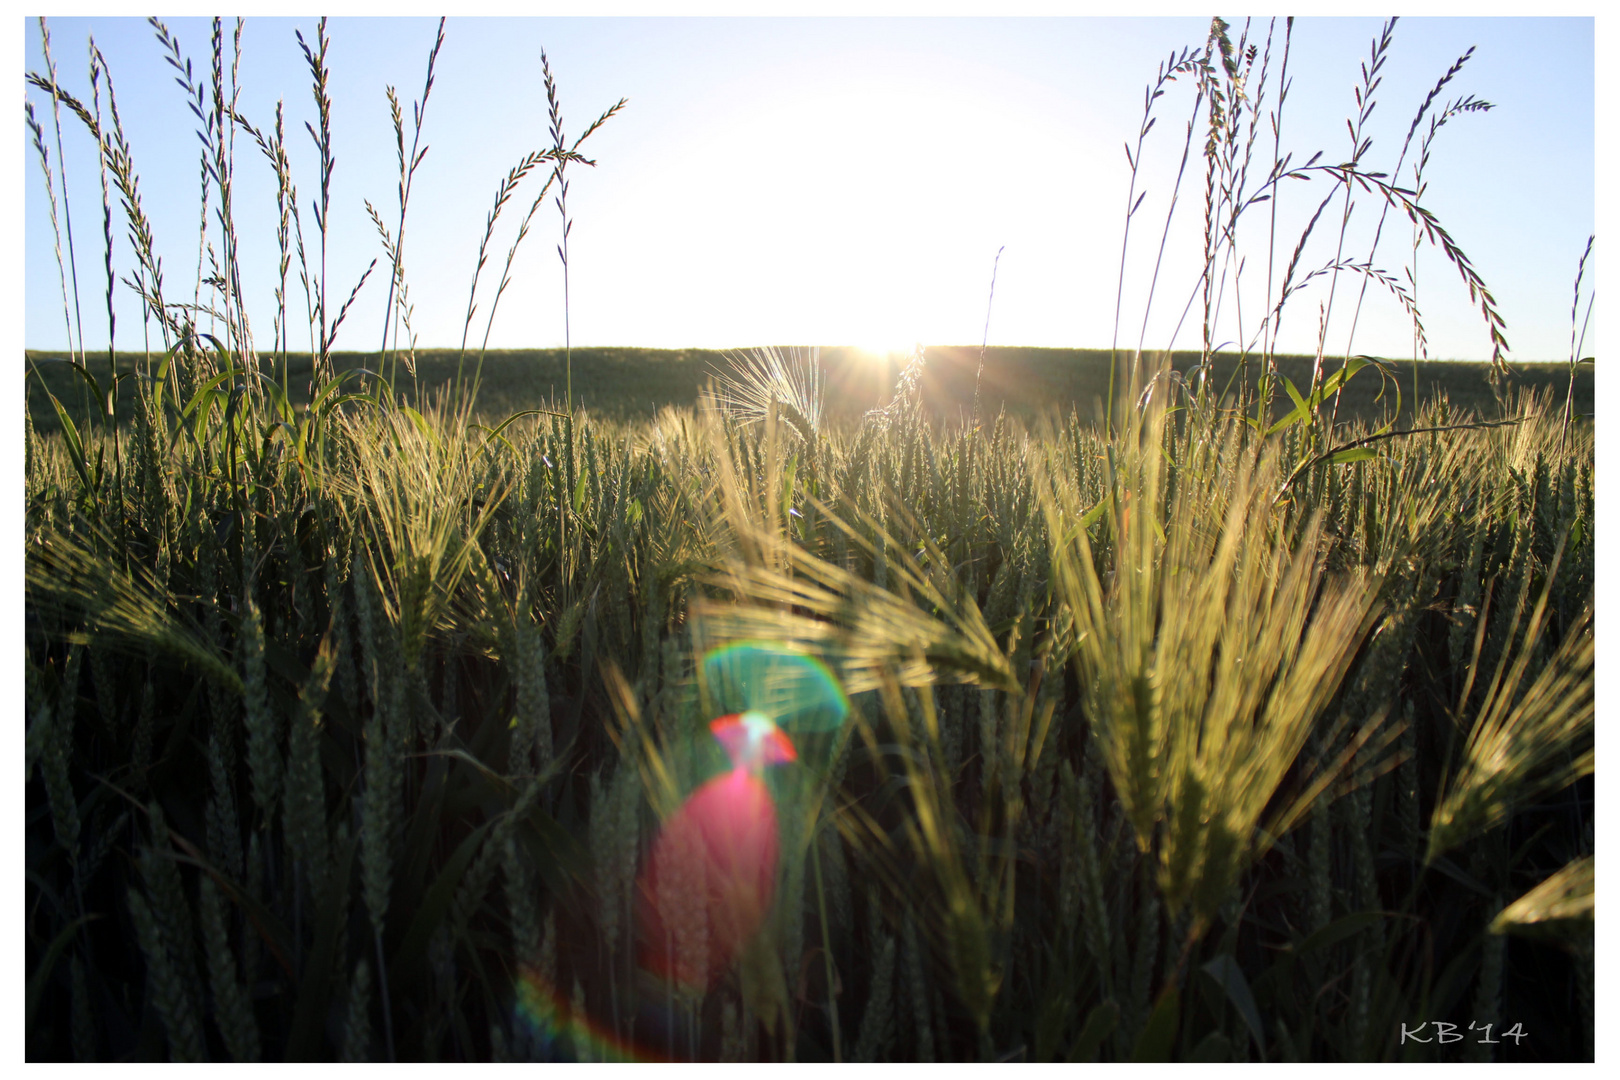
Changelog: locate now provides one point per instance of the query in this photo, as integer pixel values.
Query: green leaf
(309, 1015)
(1360, 453)
(330, 394)
(970, 955)
(427, 817)
(42, 974)
(1337, 931)
(75, 445)
(94, 384)
(1052, 1016)
(1301, 409)
(1100, 1023)
(1158, 1038)
(160, 379)
(1275, 985)
(563, 858)
(221, 354)
(579, 493)
(1213, 1047)
(1455, 979)
(328, 404)
(1460, 876)
(270, 929)
(504, 424)
(278, 398)
(201, 402)
(492, 436)
(1228, 976)
(434, 906)
(1293, 392)
(1331, 385)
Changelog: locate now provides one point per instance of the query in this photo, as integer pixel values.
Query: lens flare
(558, 1033)
(795, 691)
(710, 880)
(752, 741)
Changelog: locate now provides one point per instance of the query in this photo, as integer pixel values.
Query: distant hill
(629, 382)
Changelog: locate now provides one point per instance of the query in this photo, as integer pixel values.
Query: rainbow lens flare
(796, 691)
(709, 882)
(556, 1032)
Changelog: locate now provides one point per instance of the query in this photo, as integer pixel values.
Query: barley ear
(170, 908)
(305, 805)
(531, 737)
(263, 723)
(1525, 743)
(56, 752)
(338, 581)
(1321, 860)
(1143, 966)
(357, 1017)
(383, 767)
(878, 1018)
(1562, 908)
(520, 902)
(916, 973)
(164, 983)
(40, 719)
(232, 1011)
(224, 835)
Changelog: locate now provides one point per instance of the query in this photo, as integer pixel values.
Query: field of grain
(367, 698)
(634, 384)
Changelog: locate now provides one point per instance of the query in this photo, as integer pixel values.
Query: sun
(888, 352)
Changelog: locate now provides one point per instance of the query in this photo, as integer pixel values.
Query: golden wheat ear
(1525, 741)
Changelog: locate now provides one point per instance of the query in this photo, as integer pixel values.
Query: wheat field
(1220, 727)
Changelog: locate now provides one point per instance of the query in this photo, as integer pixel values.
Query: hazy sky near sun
(838, 181)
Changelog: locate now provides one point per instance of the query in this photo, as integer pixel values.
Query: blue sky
(843, 181)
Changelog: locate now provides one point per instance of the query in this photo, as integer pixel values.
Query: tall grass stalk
(1577, 342)
(562, 152)
(67, 209)
(395, 247)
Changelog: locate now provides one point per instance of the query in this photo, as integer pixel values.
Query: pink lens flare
(711, 877)
(752, 741)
